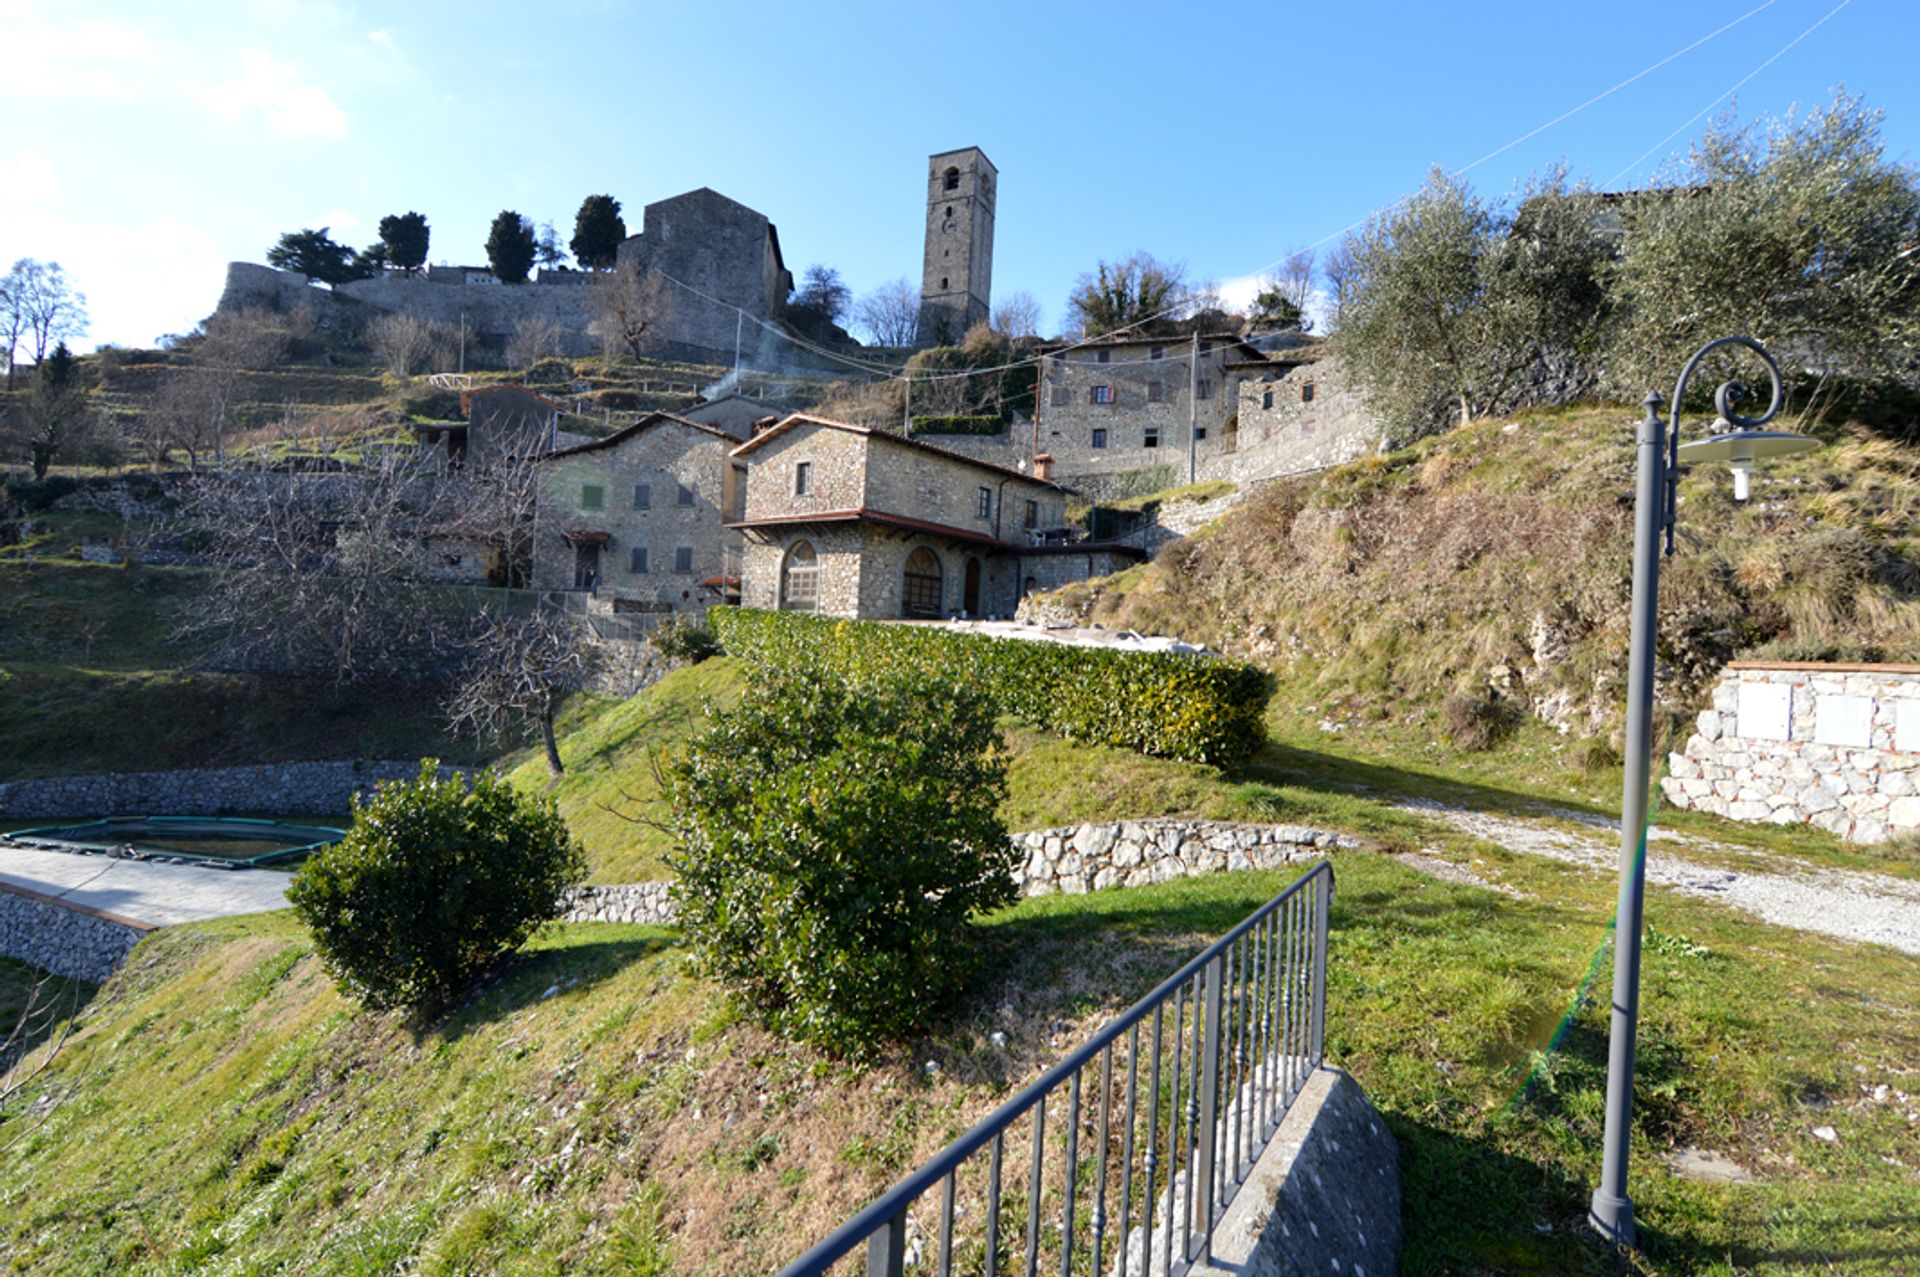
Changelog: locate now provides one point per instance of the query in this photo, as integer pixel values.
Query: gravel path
(1846, 904)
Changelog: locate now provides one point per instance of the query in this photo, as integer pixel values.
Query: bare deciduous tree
(1017, 315)
(517, 671)
(1295, 280)
(630, 306)
(38, 306)
(890, 313)
(534, 338)
(40, 1030)
(405, 343)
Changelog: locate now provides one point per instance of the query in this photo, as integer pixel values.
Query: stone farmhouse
(638, 520)
(854, 522)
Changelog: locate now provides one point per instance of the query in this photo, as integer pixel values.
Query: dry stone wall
(68, 940)
(1071, 860)
(282, 789)
(1836, 746)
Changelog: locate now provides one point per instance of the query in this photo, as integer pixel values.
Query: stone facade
(956, 280)
(720, 247)
(1072, 860)
(1296, 414)
(859, 504)
(282, 789)
(639, 518)
(1836, 746)
(67, 939)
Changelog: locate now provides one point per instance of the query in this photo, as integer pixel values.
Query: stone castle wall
(1835, 746)
(281, 789)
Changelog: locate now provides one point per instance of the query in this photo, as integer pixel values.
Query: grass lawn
(597, 1109)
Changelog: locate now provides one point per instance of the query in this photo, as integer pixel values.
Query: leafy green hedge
(1173, 704)
(956, 426)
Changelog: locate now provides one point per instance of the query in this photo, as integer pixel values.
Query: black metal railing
(1166, 1109)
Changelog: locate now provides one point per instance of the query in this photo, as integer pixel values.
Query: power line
(1737, 84)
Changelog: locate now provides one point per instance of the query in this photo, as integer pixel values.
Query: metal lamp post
(1739, 442)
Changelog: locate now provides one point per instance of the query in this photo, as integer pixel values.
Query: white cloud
(383, 37)
(56, 58)
(1239, 292)
(274, 90)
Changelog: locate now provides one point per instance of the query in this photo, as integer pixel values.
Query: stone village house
(854, 522)
(637, 520)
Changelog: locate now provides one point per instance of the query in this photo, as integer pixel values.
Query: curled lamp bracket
(1726, 398)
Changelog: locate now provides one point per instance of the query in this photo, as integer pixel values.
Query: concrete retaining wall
(67, 939)
(282, 789)
(1788, 743)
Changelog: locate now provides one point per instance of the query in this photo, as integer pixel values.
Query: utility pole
(906, 418)
(739, 317)
(1193, 408)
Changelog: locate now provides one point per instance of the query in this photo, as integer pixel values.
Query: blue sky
(150, 144)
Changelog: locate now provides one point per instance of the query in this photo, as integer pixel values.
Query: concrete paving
(146, 892)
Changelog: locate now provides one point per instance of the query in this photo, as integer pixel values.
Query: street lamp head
(1738, 441)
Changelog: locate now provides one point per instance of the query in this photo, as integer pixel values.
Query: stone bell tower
(958, 277)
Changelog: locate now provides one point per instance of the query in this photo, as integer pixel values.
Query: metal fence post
(1322, 897)
(1210, 1098)
(887, 1248)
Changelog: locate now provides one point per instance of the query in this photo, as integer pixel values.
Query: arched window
(920, 591)
(800, 579)
(951, 182)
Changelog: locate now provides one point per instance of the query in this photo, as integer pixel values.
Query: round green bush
(436, 879)
(836, 841)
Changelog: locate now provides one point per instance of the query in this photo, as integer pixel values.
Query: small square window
(642, 496)
(1033, 515)
(986, 503)
(1266, 399)
(1203, 389)
(637, 560)
(1306, 393)
(1156, 392)
(592, 497)
(683, 559)
(1062, 396)
(684, 495)
(1099, 394)
(1152, 437)
(1155, 352)
(1206, 347)
(1199, 432)
(1105, 356)
(802, 478)
(1099, 437)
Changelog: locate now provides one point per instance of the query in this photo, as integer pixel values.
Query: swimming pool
(214, 840)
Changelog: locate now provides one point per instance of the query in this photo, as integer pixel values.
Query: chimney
(1043, 466)
(763, 424)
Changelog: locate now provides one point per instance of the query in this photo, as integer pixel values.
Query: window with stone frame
(920, 584)
(802, 478)
(637, 560)
(1156, 392)
(593, 496)
(1100, 394)
(1103, 356)
(1062, 396)
(1150, 438)
(642, 496)
(800, 579)
(683, 495)
(1203, 389)
(986, 503)
(1099, 436)
(683, 559)
(1032, 517)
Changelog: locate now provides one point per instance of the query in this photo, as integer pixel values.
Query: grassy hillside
(1496, 559)
(596, 1109)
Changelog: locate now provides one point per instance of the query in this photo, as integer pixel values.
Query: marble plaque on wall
(1906, 727)
(1844, 720)
(1766, 711)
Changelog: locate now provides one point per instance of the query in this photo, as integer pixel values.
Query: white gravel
(1845, 904)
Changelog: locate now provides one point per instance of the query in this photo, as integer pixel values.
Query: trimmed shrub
(435, 880)
(680, 639)
(956, 426)
(835, 840)
(1170, 704)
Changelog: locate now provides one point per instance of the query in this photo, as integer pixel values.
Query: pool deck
(142, 890)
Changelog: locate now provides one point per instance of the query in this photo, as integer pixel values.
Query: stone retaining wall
(1071, 859)
(1837, 746)
(283, 789)
(66, 939)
